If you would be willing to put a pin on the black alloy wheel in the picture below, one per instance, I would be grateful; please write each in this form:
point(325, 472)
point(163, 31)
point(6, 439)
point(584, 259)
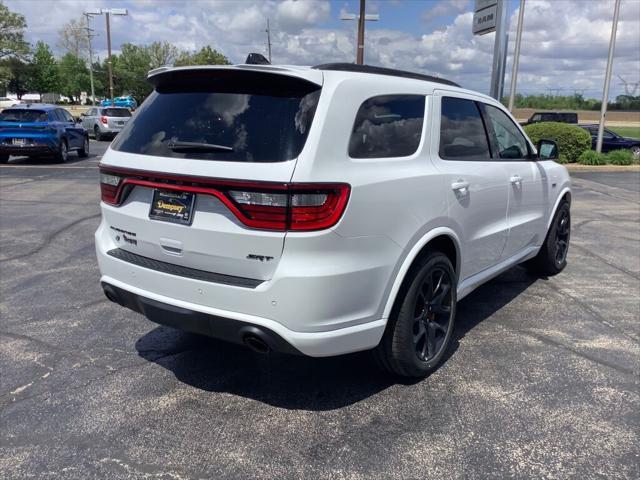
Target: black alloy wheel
point(432, 314)
point(563, 230)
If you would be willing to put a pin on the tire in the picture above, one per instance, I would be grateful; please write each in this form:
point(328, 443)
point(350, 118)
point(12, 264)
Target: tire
point(419, 330)
point(84, 151)
point(552, 257)
point(97, 133)
point(62, 156)
point(4, 158)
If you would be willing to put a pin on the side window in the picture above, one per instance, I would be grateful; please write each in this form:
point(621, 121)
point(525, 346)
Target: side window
point(58, 116)
point(536, 117)
point(67, 116)
point(387, 126)
point(462, 132)
point(511, 142)
point(91, 112)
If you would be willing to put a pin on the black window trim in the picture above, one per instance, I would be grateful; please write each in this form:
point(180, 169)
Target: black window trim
point(422, 131)
point(490, 146)
point(493, 138)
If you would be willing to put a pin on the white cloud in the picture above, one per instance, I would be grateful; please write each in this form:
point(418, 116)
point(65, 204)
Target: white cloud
point(565, 42)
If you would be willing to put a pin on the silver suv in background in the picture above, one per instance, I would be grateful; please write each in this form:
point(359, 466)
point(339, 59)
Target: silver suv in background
point(104, 122)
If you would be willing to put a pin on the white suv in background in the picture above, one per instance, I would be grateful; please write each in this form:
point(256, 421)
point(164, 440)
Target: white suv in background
point(322, 210)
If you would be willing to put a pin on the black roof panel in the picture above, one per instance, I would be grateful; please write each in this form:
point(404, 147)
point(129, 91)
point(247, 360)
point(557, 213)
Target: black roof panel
point(352, 67)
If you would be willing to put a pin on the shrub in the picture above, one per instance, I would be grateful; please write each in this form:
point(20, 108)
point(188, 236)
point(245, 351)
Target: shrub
point(620, 157)
point(591, 157)
point(571, 140)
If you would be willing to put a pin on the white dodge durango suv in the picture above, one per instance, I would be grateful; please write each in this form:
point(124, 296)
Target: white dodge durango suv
point(323, 210)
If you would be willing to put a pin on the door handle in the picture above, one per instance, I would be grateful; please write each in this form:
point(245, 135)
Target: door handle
point(461, 187)
point(516, 179)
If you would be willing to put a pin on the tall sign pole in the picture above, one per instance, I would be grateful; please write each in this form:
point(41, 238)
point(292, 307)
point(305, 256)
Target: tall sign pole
point(516, 57)
point(607, 76)
point(491, 16)
point(499, 48)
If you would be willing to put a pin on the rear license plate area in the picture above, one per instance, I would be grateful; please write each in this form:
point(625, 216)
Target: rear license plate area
point(18, 142)
point(174, 207)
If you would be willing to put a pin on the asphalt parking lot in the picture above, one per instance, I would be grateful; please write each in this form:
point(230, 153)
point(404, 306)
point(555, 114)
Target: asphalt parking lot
point(542, 380)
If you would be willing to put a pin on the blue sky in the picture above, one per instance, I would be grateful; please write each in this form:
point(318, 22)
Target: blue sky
point(564, 45)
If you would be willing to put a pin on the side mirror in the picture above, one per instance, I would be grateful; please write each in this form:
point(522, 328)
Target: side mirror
point(78, 119)
point(547, 150)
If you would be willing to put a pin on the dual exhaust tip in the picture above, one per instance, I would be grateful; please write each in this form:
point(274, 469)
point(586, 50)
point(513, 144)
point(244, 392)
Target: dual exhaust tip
point(251, 336)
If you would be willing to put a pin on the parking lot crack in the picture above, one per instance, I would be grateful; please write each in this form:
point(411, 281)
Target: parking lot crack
point(48, 238)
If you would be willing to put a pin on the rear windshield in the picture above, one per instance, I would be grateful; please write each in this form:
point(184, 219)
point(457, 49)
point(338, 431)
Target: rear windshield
point(227, 116)
point(116, 112)
point(23, 116)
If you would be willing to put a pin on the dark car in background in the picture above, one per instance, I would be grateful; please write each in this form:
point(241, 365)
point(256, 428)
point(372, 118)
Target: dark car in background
point(612, 141)
point(103, 122)
point(40, 131)
point(562, 117)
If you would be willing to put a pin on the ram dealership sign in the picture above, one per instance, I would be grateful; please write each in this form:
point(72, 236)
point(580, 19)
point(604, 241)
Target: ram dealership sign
point(484, 16)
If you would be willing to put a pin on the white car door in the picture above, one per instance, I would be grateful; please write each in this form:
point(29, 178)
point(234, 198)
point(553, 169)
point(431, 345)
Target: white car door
point(528, 191)
point(478, 193)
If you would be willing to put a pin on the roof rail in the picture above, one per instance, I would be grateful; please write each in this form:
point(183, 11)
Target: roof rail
point(352, 67)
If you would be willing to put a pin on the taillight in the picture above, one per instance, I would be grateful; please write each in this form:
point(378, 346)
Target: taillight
point(104, 120)
point(109, 184)
point(298, 207)
point(260, 205)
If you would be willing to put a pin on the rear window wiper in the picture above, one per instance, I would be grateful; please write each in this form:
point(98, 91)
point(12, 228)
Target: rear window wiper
point(197, 147)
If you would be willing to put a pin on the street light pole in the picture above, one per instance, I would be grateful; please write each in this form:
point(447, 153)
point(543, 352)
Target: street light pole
point(107, 12)
point(109, 58)
point(607, 76)
point(89, 35)
point(516, 57)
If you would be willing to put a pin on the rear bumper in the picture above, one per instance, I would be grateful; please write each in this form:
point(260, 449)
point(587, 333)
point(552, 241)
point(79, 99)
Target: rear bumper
point(28, 150)
point(325, 298)
point(235, 327)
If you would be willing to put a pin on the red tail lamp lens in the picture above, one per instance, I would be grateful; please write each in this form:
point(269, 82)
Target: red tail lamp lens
point(259, 205)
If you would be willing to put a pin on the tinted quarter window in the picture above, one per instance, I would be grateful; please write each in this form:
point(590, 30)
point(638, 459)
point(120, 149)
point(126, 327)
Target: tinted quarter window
point(225, 116)
point(387, 126)
point(462, 133)
point(23, 116)
point(511, 143)
point(116, 112)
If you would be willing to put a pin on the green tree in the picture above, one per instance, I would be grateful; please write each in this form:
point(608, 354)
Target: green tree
point(12, 27)
point(44, 70)
point(130, 70)
point(205, 56)
point(18, 75)
point(74, 76)
point(162, 54)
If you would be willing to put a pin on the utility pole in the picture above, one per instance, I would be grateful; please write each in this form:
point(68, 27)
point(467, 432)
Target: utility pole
point(607, 76)
point(361, 19)
point(107, 12)
point(516, 57)
point(360, 52)
point(90, 36)
point(268, 30)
